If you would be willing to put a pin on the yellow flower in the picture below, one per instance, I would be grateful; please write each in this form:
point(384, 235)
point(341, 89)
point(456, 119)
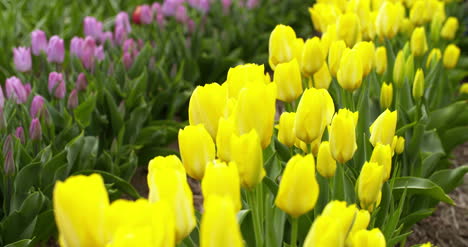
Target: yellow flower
point(298, 190)
point(301, 145)
point(323, 15)
point(219, 225)
point(450, 28)
point(243, 76)
point(366, 238)
point(361, 222)
point(196, 149)
point(327, 38)
point(250, 113)
point(345, 214)
point(434, 57)
point(418, 85)
point(369, 184)
point(281, 45)
point(400, 145)
point(428, 244)
point(348, 28)
point(418, 42)
point(383, 128)
point(399, 69)
point(325, 232)
point(386, 95)
point(80, 203)
point(406, 27)
point(334, 56)
point(451, 55)
point(313, 114)
point(417, 12)
point(222, 180)
point(167, 181)
point(342, 135)
point(286, 133)
point(246, 152)
point(226, 129)
point(326, 165)
point(380, 60)
point(351, 70)
point(387, 21)
point(322, 78)
point(207, 105)
point(288, 81)
point(464, 88)
point(382, 155)
point(366, 51)
point(312, 56)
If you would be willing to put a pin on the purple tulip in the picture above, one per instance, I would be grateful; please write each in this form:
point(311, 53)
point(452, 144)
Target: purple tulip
point(15, 90)
point(99, 53)
point(252, 3)
point(191, 26)
point(127, 60)
point(38, 42)
point(37, 105)
point(55, 50)
point(156, 8)
point(169, 7)
point(35, 130)
point(106, 36)
point(120, 34)
point(146, 15)
point(27, 88)
point(19, 133)
point(76, 45)
point(7, 145)
point(81, 82)
point(226, 5)
point(92, 27)
point(122, 20)
point(55, 79)
point(87, 52)
point(202, 5)
point(22, 59)
point(2, 98)
point(73, 100)
point(181, 14)
point(9, 167)
point(129, 46)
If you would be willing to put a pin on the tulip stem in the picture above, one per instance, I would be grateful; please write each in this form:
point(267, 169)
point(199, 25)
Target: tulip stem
point(254, 207)
point(294, 224)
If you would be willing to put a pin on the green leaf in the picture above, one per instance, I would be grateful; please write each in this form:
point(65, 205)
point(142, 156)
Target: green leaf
point(115, 116)
point(84, 111)
point(415, 185)
point(449, 179)
point(26, 178)
point(454, 137)
point(21, 243)
point(141, 61)
point(116, 181)
point(282, 151)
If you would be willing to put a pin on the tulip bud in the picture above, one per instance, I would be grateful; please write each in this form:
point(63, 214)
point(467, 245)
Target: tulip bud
point(298, 190)
point(19, 133)
point(326, 165)
point(81, 82)
point(327, 38)
point(56, 85)
point(342, 135)
point(348, 28)
point(361, 222)
point(464, 88)
point(417, 13)
point(450, 28)
point(146, 15)
point(122, 20)
point(9, 164)
point(55, 50)
point(334, 56)
point(387, 20)
point(286, 133)
point(38, 42)
point(181, 14)
point(386, 95)
point(226, 129)
point(418, 42)
point(35, 130)
point(15, 90)
point(383, 128)
point(428, 244)
point(351, 71)
point(76, 45)
point(409, 67)
point(196, 149)
point(380, 60)
point(2, 98)
point(322, 78)
point(398, 69)
point(366, 238)
point(246, 152)
point(127, 60)
point(366, 50)
point(2, 119)
point(222, 180)
point(106, 36)
point(219, 225)
point(382, 155)
point(210, 96)
point(87, 53)
point(451, 55)
point(243, 76)
point(281, 45)
point(288, 81)
point(406, 27)
point(436, 25)
point(99, 53)
point(92, 27)
point(323, 15)
point(78, 194)
point(22, 59)
point(418, 85)
point(400, 145)
point(167, 182)
point(314, 113)
point(312, 57)
point(370, 184)
point(73, 99)
point(7, 145)
point(37, 105)
point(433, 58)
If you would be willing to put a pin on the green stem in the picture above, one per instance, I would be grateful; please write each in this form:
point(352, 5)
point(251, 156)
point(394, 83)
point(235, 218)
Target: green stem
point(251, 198)
point(294, 229)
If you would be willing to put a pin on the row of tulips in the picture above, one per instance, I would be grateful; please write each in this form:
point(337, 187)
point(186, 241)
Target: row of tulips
point(381, 150)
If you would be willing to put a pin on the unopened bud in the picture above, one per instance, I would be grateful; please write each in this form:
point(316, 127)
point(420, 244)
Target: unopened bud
point(35, 130)
point(73, 99)
point(20, 135)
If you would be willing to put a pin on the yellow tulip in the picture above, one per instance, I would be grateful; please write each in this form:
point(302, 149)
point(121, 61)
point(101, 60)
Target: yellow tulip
point(326, 165)
point(312, 56)
point(382, 155)
point(207, 105)
point(298, 46)
point(386, 95)
point(464, 88)
point(226, 129)
point(428, 244)
point(383, 128)
point(451, 55)
point(298, 190)
point(286, 133)
point(301, 145)
point(371, 31)
point(314, 113)
point(417, 12)
point(322, 78)
point(361, 222)
point(246, 152)
point(434, 57)
point(325, 232)
point(418, 85)
point(345, 214)
point(288, 81)
point(418, 42)
point(362, 10)
point(196, 149)
point(450, 28)
point(281, 45)
point(219, 225)
point(167, 181)
point(399, 69)
point(80, 203)
point(387, 20)
point(406, 27)
point(324, 15)
point(351, 70)
point(250, 113)
point(409, 66)
point(436, 26)
point(334, 56)
point(342, 135)
point(400, 145)
point(327, 38)
point(369, 184)
point(366, 50)
point(380, 60)
point(222, 180)
point(243, 76)
point(348, 28)
point(366, 238)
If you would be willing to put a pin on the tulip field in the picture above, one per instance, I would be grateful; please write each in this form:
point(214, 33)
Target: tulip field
point(257, 123)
